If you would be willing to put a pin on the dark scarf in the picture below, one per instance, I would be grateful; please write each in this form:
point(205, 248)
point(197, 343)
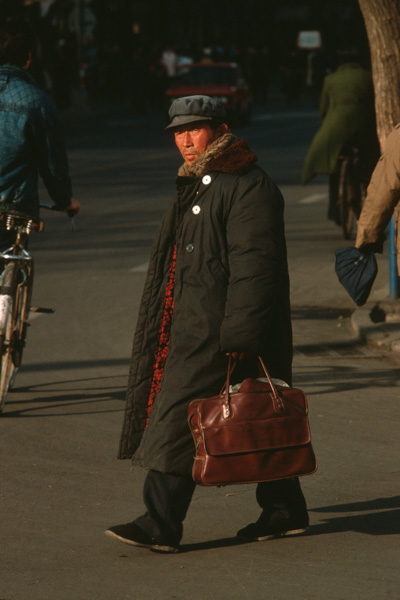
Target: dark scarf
point(227, 153)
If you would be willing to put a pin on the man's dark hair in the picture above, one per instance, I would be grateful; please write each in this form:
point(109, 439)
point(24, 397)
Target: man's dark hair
point(17, 40)
point(347, 55)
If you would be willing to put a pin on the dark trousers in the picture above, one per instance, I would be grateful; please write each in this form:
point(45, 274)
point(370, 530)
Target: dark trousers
point(167, 498)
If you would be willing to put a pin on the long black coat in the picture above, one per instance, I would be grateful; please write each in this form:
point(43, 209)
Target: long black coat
point(231, 294)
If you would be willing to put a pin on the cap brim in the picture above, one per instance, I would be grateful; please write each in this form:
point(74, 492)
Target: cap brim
point(185, 119)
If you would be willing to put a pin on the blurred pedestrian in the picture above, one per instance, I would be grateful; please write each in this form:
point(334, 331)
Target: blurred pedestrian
point(250, 70)
point(64, 72)
point(169, 60)
point(256, 69)
point(184, 57)
point(293, 70)
point(157, 79)
point(140, 83)
point(207, 55)
point(348, 119)
point(263, 75)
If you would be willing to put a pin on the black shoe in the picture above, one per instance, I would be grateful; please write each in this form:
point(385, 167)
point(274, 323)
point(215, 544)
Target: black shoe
point(274, 525)
point(133, 535)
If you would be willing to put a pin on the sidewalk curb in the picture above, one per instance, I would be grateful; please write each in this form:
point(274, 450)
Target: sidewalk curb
point(384, 335)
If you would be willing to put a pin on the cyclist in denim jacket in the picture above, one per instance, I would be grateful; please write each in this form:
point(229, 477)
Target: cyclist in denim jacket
point(31, 142)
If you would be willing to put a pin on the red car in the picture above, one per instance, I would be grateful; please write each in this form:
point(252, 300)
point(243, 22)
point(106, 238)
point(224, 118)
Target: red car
point(219, 80)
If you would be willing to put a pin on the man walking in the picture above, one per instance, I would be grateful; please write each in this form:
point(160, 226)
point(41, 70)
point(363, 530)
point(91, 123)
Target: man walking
point(217, 284)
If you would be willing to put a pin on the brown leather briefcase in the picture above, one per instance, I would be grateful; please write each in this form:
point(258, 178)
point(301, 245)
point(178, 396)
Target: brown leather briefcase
point(260, 433)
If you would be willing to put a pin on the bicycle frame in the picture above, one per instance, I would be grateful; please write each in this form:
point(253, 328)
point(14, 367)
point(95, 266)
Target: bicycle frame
point(17, 253)
point(15, 296)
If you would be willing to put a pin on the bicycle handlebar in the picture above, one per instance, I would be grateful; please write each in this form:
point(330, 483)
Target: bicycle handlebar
point(71, 213)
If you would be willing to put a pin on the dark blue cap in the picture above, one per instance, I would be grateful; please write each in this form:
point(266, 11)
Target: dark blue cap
point(195, 108)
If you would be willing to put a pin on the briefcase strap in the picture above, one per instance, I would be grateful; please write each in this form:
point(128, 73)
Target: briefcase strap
point(278, 402)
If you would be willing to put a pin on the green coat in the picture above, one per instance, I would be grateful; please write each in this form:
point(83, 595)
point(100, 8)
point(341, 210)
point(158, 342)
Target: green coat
point(231, 294)
point(348, 116)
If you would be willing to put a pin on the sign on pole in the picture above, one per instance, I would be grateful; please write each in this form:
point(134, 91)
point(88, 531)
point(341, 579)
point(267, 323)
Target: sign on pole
point(309, 40)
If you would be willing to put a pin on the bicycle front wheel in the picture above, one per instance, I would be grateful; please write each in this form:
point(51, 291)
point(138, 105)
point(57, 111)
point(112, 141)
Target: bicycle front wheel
point(14, 310)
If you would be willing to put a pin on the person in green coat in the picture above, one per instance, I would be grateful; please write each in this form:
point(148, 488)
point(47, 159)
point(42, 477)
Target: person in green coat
point(348, 119)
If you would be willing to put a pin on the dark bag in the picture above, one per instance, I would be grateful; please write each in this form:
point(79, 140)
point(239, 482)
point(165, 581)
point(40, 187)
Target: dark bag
point(260, 433)
point(356, 271)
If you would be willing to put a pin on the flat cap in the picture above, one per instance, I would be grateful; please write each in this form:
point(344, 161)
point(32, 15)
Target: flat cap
point(195, 108)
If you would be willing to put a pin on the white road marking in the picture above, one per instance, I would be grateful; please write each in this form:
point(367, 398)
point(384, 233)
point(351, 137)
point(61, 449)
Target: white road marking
point(140, 268)
point(314, 199)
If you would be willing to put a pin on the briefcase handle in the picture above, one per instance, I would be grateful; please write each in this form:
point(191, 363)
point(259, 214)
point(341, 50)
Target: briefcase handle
point(278, 403)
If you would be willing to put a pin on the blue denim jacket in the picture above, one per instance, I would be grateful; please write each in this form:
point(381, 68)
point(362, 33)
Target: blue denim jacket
point(31, 144)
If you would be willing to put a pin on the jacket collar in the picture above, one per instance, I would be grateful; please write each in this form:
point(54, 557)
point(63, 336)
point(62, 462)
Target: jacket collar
point(228, 154)
point(8, 71)
point(235, 159)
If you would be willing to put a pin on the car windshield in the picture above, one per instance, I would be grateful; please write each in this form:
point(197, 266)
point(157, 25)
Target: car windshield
point(206, 75)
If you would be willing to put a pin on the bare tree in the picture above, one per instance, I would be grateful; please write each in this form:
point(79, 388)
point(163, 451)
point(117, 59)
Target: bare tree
point(382, 22)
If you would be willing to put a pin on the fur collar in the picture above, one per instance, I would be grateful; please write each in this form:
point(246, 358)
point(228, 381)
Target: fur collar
point(228, 153)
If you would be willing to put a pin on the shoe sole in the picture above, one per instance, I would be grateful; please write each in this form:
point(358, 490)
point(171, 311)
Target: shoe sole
point(153, 547)
point(273, 536)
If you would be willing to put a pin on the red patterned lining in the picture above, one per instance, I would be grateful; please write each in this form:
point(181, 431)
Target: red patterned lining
point(163, 336)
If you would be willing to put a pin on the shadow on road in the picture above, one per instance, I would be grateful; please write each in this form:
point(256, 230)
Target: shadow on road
point(340, 378)
point(212, 544)
point(381, 517)
point(376, 504)
point(382, 522)
point(76, 364)
point(88, 391)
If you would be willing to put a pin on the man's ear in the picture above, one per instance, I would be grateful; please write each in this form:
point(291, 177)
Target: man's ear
point(222, 129)
point(28, 62)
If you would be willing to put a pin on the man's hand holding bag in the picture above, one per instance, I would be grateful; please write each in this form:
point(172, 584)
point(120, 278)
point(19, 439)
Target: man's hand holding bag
point(259, 433)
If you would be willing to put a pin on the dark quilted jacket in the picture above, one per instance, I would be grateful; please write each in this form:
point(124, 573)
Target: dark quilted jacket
point(231, 294)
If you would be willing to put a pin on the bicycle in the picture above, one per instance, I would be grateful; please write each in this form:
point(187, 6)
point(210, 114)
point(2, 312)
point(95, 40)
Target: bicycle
point(15, 295)
point(352, 190)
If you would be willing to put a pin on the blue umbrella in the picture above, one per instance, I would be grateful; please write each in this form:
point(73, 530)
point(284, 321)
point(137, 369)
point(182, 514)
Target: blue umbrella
point(356, 271)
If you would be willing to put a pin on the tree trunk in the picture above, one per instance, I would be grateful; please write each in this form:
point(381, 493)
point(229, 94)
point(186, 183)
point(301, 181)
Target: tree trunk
point(382, 22)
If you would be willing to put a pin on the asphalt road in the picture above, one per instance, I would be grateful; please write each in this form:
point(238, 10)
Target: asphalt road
point(61, 485)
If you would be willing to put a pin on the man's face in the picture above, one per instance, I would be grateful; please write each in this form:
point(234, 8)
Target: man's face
point(193, 139)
